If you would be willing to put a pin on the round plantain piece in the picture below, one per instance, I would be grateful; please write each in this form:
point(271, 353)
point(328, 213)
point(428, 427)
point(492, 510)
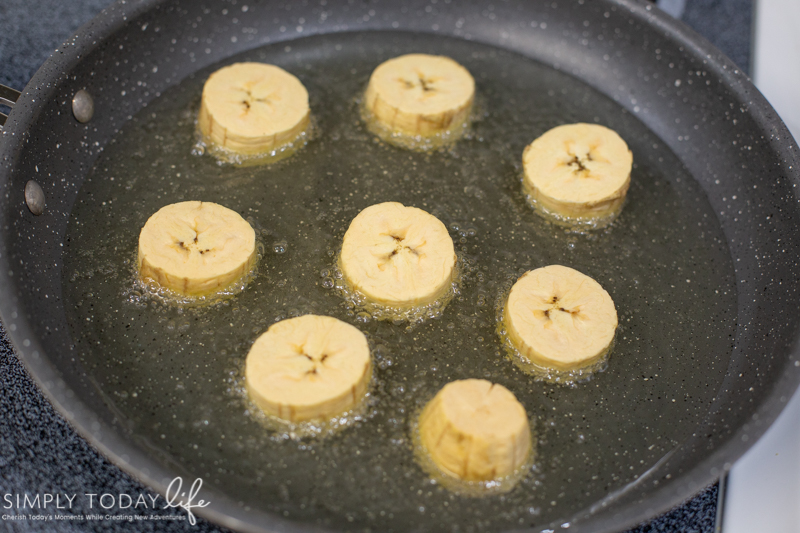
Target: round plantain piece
point(475, 430)
point(196, 248)
point(252, 109)
point(309, 367)
point(420, 95)
point(398, 256)
point(560, 319)
point(578, 174)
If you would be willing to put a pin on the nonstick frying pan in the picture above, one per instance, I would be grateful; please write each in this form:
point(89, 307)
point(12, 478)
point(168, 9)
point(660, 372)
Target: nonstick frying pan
point(692, 98)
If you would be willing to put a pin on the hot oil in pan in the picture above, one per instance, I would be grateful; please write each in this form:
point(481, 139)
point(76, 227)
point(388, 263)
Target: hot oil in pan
point(172, 374)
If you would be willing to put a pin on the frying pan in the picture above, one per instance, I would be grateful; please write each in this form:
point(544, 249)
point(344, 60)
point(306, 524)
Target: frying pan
point(740, 154)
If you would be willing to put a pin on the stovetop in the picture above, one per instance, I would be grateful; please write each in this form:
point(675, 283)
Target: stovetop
point(40, 453)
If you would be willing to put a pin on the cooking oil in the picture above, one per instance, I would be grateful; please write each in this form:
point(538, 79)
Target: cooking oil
point(173, 372)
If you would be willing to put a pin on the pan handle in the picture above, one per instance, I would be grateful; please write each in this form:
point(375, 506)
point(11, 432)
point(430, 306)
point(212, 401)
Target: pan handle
point(8, 97)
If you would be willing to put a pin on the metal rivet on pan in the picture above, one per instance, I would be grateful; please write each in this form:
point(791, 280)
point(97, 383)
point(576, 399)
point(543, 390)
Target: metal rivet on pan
point(34, 197)
point(83, 106)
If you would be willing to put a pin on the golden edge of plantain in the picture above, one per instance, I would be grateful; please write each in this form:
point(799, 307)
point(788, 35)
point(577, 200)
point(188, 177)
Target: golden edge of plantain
point(596, 215)
point(277, 152)
point(542, 361)
point(179, 285)
point(405, 305)
point(431, 132)
point(543, 368)
point(340, 405)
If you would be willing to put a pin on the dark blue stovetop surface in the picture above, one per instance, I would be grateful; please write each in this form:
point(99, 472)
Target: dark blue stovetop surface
point(40, 453)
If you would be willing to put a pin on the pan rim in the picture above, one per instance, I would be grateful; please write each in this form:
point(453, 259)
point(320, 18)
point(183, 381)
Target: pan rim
point(115, 448)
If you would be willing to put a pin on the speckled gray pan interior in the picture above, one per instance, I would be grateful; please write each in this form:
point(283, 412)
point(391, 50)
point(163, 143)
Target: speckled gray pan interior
point(703, 262)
